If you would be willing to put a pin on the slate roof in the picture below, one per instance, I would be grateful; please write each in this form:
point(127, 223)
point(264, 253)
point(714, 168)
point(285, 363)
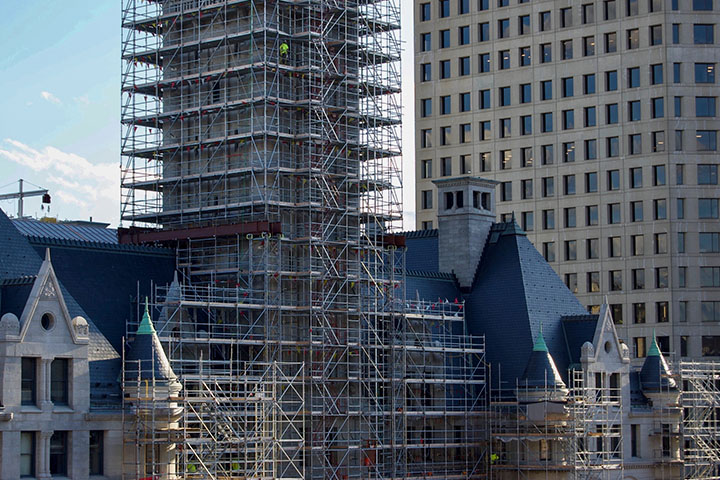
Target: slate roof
point(424, 247)
point(18, 259)
point(146, 359)
point(577, 329)
point(63, 231)
point(541, 372)
point(655, 372)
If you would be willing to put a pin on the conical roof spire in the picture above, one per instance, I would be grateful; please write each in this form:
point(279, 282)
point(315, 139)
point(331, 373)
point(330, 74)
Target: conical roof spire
point(146, 326)
point(540, 345)
point(541, 372)
point(655, 375)
point(146, 358)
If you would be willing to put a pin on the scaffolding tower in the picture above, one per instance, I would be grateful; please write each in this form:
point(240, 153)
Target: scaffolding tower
point(701, 419)
point(261, 139)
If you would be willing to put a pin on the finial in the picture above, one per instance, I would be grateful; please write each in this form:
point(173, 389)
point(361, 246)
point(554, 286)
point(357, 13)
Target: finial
point(540, 345)
point(146, 327)
point(654, 350)
point(47, 254)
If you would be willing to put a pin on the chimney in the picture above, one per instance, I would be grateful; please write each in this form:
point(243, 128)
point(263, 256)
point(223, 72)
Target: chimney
point(466, 211)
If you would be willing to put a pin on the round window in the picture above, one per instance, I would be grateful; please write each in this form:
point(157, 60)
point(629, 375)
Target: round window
point(47, 321)
point(608, 347)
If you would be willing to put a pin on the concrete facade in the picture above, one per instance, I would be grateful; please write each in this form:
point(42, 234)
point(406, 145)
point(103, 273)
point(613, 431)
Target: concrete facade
point(46, 418)
point(599, 121)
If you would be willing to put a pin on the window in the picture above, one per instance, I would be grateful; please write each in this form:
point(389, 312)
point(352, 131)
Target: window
point(710, 346)
point(445, 166)
point(609, 10)
point(570, 250)
point(675, 5)
point(633, 77)
point(614, 213)
point(615, 277)
point(27, 454)
point(636, 177)
point(634, 111)
point(571, 282)
point(615, 247)
point(464, 35)
point(707, 174)
point(709, 242)
point(548, 219)
point(505, 128)
point(588, 46)
point(658, 175)
point(549, 251)
point(425, 42)
point(569, 184)
point(702, 5)
point(703, 34)
point(660, 243)
point(504, 59)
point(524, 56)
point(591, 182)
point(589, 84)
point(632, 8)
point(710, 311)
point(592, 246)
point(639, 314)
point(611, 113)
point(566, 50)
point(503, 28)
point(636, 211)
point(504, 96)
point(483, 62)
point(28, 393)
point(483, 5)
point(705, 106)
point(444, 69)
point(445, 135)
point(677, 106)
point(58, 453)
point(426, 72)
point(611, 83)
point(525, 93)
point(546, 122)
point(590, 117)
point(661, 278)
point(656, 35)
point(706, 140)
point(548, 154)
point(445, 105)
point(591, 149)
point(427, 199)
point(464, 102)
point(505, 159)
point(704, 73)
point(545, 53)
point(506, 191)
point(545, 23)
point(565, 17)
point(710, 276)
point(633, 38)
point(426, 169)
point(425, 107)
point(568, 89)
point(638, 279)
point(426, 138)
point(546, 90)
point(613, 180)
point(591, 215)
point(548, 186)
point(484, 96)
point(676, 72)
point(59, 381)
point(425, 12)
point(658, 141)
point(528, 219)
point(655, 5)
point(682, 283)
point(444, 39)
point(568, 151)
point(465, 164)
point(635, 144)
point(675, 33)
point(485, 132)
point(639, 345)
point(588, 13)
point(485, 162)
point(611, 42)
point(683, 345)
point(526, 125)
point(681, 242)
point(463, 7)
point(593, 282)
point(444, 8)
point(570, 217)
point(483, 32)
point(568, 119)
point(656, 74)
point(526, 157)
point(464, 66)
point(523, 24)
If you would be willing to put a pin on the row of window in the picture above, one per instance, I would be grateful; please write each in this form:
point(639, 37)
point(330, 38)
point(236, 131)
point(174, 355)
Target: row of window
point(703, 34)
point(710, 348)
point(59, 381)
point(704, 140)
point(610, 10)
point(636, 246)
point(58, 455)
point(709, 310)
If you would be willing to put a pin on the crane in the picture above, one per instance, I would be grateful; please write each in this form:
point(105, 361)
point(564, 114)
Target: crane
point(20, 195)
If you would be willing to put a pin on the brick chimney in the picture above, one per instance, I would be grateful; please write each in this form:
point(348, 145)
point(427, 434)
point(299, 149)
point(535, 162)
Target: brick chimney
point(466, 211)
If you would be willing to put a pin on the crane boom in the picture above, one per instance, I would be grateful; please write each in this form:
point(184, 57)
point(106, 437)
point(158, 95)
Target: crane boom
point(22, 194)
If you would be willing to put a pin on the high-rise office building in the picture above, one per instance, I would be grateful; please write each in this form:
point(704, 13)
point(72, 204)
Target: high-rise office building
point(599, 121)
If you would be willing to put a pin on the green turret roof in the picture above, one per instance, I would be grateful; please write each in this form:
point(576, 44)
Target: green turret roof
point(654, 350)
point(146, 327)
point(540, 345)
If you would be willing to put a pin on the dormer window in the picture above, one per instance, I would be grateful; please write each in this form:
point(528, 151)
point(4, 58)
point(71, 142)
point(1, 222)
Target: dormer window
point(28, 389)
point(59, 381)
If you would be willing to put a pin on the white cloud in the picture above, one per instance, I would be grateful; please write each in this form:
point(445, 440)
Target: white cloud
point(82, 188)
point(84, 99)
point(50, 97)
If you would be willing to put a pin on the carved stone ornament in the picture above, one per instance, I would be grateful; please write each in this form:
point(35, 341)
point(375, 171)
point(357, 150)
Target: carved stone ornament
point(48, 291)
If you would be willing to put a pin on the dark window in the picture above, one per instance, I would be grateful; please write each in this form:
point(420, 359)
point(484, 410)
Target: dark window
point(524, 56)
point(97, 452)
point(703, 34)
point(426, 72)
point(705, 106)
point(613, 179)
point(523, 24)
point(546, 122)
point(503, 28)
point(706, 140)
point(591, 215)
point(634, 111)
point(590, 117)
point(444, 38)
point(425, 14)
point(568, 89)
point(525, 93)
point(633, 38)
point(566, 50)
point(483, 32)
point(504, 94)
point(546, 90)
point(656, 74)
point(465, 102)
point(425, 42)
point(545, 22)
point(58, 453)
point(636, 211)
point(704, 73)
point(569, 184)
point(548, 219)
point(710, 346)
point(444, 8)
point(611, 113)
point(656, 35)
point(675, 33)
point(633, 77)
point(568, 119)
point(484, 62)
point(444, 69)
point(657, 109)
point(632, 8)
point(614, 213)
point(588, 13)
point(702, 5)
point(565, 17)
point(611, 83)
point(464, 35)
point(425, 107)
point(484, 96)
point(463, 7)
point(545, 53)
point(29, 381)
point(588, 46)
point(504, 59)
point(59, 377)
point(548, 186)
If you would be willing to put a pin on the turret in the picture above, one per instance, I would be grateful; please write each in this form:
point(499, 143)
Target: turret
point(541, 379)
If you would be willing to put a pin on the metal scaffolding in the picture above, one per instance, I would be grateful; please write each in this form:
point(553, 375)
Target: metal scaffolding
point(701, 419)
point(262, 141)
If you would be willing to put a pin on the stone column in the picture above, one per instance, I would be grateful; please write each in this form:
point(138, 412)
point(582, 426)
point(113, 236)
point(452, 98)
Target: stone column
point(43, 456)
point(44, 393)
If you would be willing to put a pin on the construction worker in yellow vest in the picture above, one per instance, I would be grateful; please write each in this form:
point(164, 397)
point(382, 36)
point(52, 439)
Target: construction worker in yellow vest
point(284, 49)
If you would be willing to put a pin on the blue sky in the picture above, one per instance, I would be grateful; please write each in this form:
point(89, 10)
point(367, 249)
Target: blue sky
point(60, 125)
